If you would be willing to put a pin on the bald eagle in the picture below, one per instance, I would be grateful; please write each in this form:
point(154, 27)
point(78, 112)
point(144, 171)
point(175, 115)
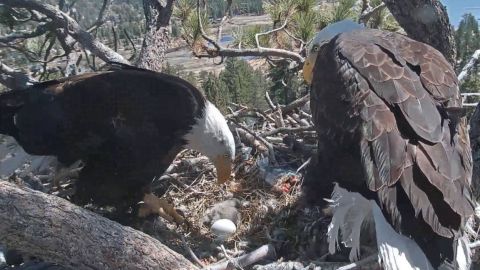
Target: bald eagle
point(392, 146)
point(125, 124)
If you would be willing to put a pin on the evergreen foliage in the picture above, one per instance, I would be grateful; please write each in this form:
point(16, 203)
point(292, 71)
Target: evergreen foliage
point(467, 38)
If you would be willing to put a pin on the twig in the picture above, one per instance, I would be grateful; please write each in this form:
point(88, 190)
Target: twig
point(286, 130)
point(14, 79)
point(473, 245)
point(365, 261)
point(62, 20)
point(269, 101)
point(190, 252)
point(101, 15)
point(369, 12)
point(40, 30)
point(220, 51)
point(261, 253)
point(271, 153)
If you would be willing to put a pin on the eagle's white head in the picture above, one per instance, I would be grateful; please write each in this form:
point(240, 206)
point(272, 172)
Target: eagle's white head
point(322, 37)
point(212, 137)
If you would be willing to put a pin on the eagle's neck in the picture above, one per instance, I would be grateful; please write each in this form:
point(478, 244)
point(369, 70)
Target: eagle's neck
point(210, 135)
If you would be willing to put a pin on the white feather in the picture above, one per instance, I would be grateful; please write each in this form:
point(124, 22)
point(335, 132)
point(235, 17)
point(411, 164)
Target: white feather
point(464, 254)
point(396, 252)
point(351, 210)
point(211, 135)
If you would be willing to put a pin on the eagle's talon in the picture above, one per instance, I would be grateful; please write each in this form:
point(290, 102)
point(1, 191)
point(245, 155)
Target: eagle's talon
point(154, 205)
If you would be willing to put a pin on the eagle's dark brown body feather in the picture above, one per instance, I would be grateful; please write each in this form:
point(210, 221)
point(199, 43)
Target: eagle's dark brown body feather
point(386, 109)
point(126, 125)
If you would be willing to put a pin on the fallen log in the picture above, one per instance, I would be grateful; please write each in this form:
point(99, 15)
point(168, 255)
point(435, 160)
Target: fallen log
point(57, 231)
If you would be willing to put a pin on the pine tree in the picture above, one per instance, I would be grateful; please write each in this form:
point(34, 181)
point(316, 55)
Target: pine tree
point(215, 91)
point(467, 38)
point(244, 84)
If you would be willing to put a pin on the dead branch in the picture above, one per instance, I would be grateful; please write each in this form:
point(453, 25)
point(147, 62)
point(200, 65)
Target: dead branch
point(41, 29)
point(63, 20)
point(366, 261)
point(132, 44)
point(269, 101)
point(271, 153)
point(287, 130)
point(262, 253)
point(76, 238)
point(467, 69)
point(368, 11)
point(295, 104)
point(101, 15)
point(14, 79)
point(220, 51)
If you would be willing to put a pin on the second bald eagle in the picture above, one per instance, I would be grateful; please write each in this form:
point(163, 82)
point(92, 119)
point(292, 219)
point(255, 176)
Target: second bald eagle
point(126, 125)
point(391, 135)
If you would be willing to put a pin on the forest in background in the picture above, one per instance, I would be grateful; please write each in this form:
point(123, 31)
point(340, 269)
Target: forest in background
point(123, 26)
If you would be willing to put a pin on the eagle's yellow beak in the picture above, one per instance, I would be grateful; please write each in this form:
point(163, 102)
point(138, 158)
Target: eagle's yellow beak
point(224, 168)
point(308, 68)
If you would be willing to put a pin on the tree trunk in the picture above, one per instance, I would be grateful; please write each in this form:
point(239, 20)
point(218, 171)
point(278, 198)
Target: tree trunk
point(156, 41)
point(57, 231)
point(426, 21)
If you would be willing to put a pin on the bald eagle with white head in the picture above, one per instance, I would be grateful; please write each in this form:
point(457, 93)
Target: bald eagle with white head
point(392, 146)
point(126, 125)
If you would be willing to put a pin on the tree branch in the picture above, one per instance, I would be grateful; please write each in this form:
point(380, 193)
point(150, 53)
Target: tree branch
point(57, 231)
point(14, 79)
point(40, 30)
point(62, 20)
point(368, 12)
point(466, 70)
point(101, 15)
point(220, 51)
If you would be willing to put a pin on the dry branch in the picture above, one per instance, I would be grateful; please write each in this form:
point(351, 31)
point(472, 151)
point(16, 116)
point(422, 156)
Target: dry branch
point(57, 231)
point(287, 130)
point(368, 12)
point(220, 51)
point(262, 253)
point(63, 20)
point(14, 79)
point(468, 67)
point(40, 30)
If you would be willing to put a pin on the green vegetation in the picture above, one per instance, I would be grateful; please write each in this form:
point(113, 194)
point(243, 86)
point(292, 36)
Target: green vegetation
point(467, 38)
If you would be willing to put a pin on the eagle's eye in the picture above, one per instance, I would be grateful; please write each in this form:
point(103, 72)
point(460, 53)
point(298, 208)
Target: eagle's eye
point(315, 48)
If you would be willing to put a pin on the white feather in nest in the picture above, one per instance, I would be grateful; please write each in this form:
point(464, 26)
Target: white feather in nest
point(396, 252)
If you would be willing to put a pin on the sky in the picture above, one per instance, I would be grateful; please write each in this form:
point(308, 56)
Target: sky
point(456, 8)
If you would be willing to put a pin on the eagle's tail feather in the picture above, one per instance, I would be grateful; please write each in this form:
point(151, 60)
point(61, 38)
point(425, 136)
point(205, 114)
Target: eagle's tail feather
point(396, 252)
point(351, 210)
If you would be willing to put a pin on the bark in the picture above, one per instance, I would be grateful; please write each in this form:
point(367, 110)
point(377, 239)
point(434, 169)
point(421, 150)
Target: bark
point(57, 231)
point(156, 41)
point(426, 21)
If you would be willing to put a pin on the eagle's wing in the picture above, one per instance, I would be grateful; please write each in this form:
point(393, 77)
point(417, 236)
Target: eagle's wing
point(396, 105)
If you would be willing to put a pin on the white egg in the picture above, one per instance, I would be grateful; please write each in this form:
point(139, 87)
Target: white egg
point(223, 228)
